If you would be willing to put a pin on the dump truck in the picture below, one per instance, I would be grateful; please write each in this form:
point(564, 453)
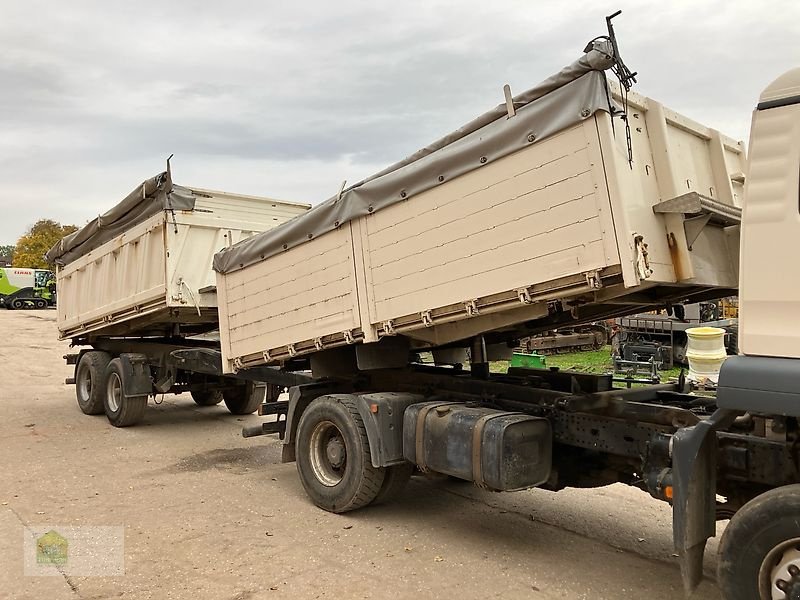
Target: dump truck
point(575, 201)
point(137, 288)
point(22, 288)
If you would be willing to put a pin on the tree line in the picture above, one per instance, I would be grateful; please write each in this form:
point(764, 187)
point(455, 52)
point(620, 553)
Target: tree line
point(30, 249)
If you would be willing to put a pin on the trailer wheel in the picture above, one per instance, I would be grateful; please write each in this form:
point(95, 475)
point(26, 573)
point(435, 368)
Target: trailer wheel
point(207, 397)
point(121, 410)
point(241, 400)
point(333, 458)
point(395, 480)
point(90, 381)
point(759, 555)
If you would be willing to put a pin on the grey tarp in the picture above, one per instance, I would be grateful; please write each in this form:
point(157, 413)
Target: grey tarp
point(150, 197)
point(573, 94)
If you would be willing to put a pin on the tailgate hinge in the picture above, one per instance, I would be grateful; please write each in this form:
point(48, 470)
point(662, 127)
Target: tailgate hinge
point(642, 260)
point(593, 280)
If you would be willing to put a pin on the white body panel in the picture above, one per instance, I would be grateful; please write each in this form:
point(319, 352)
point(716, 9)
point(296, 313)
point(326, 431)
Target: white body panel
point(492, 247)
point(18, 277)
point(769, 298)
point(297, 295)
point(159, 272)
point(531, 217)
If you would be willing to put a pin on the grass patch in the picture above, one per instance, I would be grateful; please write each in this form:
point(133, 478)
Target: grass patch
point(594, 361)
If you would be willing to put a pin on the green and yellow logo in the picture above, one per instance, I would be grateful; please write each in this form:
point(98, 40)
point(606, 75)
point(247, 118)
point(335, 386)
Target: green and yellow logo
point(51, 549)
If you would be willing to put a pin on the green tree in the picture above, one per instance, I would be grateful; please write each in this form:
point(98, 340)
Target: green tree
point(32, 246)
point(7, 251)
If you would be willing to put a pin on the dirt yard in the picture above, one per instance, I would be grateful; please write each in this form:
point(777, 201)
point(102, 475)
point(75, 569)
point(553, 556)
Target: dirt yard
point(208, 514)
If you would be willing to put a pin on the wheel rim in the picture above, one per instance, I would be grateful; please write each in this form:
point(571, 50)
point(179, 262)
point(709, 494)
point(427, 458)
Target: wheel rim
point(114, 392)
point(84, 383)
point(328, 453)
point(779, 575)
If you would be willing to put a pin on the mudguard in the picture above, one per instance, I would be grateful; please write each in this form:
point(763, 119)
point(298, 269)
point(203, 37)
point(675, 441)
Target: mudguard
point(694, 470)
point(382, 414)
point(136, 377)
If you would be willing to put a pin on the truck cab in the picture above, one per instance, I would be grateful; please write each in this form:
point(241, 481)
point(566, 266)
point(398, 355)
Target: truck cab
point(765, 376)
point(769, 293)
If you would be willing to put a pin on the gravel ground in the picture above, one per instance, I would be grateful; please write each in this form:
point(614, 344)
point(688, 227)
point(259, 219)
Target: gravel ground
point(207, 514)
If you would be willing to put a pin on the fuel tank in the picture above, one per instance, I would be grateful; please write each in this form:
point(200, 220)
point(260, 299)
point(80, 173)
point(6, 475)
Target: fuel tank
point(502, 451)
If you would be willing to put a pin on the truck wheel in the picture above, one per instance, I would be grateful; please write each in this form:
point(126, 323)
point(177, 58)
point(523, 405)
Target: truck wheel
point(241, 400)
point(121, 410)
point(40, 303)
point(207, 397)
point(759, 555)
point(395, 480)
point(733, 340)
point(89, 381)
point(333, 457)
point(17, 304)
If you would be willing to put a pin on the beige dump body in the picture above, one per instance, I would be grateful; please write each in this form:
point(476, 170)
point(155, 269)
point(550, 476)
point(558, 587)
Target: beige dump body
point(563, 226)
point(155, 278)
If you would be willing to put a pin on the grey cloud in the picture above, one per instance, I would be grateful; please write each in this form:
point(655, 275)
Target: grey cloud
point(93, 93)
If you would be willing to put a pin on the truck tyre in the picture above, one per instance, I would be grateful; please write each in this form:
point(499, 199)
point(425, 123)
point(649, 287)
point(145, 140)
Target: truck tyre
point(40, 303)
point(241, 400)
point(90, 381)
point(733, 340)
point(17, 304)
point(333, 458)
point(394, 481)
point(759, 555)
point(121, 410)
point(207, 397)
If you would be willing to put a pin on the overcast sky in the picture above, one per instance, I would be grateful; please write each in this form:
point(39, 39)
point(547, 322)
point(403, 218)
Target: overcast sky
point(287, 99)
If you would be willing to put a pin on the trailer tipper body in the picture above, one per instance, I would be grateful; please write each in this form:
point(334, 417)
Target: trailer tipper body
point(144, 267)
point(541, 214)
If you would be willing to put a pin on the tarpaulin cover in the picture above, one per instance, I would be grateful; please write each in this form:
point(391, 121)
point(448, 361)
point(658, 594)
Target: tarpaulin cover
point(150, 197)
point(573, 94)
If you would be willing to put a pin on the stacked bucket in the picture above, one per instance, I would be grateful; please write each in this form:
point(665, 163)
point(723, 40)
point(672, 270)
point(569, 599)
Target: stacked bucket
point(706, 353)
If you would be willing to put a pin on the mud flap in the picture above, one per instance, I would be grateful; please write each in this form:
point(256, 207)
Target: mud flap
point(694, 471)
point(136, 379)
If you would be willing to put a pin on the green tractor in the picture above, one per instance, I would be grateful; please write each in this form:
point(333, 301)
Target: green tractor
point(27, 288)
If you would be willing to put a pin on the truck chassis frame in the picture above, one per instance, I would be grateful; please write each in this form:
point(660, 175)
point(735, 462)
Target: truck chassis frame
point(679, 448)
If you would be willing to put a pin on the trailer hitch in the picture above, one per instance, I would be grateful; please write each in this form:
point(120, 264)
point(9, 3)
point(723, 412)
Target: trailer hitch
point(694, 472)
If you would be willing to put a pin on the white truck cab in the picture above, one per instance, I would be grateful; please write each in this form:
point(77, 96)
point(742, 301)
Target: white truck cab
point(766, 377)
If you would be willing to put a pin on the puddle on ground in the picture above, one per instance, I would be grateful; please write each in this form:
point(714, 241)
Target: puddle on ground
point(236, 460)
